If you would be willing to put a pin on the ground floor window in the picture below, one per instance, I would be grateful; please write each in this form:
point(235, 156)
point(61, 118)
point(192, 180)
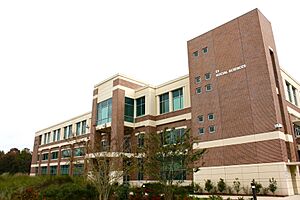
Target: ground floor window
point(64, 169)
point(44, 171)
point(53, 170)
point(78, 169)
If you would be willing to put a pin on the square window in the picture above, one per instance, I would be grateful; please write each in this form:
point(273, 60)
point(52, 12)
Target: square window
point(208, 87)
point(204, 50)
point(208, 76)
point(201, 131)
point(198, 90)
point(212, 129)
point(200, 118)
point(195, 53)
point(211, 116)
point(197, 79)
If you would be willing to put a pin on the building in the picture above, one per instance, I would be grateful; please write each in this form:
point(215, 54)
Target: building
point(237, 101)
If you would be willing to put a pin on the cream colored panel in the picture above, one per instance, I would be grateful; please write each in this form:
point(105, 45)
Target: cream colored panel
point(293, 112)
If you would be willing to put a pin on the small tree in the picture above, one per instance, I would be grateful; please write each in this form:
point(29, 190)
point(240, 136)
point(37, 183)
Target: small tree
point(237, 185)
point(272, 185)
point(169, 157)
point(208, 185)
point(221, 185)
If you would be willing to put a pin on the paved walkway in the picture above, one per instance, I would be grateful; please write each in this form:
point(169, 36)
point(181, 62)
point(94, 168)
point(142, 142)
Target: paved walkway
point(294, 197)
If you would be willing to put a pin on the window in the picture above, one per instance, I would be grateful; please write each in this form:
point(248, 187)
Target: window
point(297, 130)
point(295, 96)
point(140, 175)
point(208, 76)
point(44, 170)
point(200, 119)
point(45, 156)
point(53, 170)
point(104, 111)
point(140, 106)
point(164, 103)
point(212, 129)
point(127, 144)
point(83, 131)
point(129, 110)
point(104, 145)
point(288, 87)
point(78, 169)
point(78, 128)
point(64, 169)
point(66, 153)
point(79, 152)
point(204, 50)
point(173, 168)
point(201, 131)
point(140, 140)
point(173, 137)
point(195, 53)
point(56, 135)
point(198, 90)
point(208, 87)
point(48, 138)
point(54, 155)
point(67, 131)
point(177, 99)
point(211, 116)
point(197, 79)
point(45, 138)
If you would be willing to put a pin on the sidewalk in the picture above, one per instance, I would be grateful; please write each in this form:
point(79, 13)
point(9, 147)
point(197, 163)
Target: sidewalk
point(294, 197)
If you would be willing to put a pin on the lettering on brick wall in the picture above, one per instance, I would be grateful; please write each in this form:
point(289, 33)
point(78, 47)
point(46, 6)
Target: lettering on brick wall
point(218, 73)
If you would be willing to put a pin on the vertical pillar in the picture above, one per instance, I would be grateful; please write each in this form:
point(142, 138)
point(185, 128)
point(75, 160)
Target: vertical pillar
point(170, 102)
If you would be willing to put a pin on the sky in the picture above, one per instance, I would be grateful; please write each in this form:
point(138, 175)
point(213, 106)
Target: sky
point(52, 53)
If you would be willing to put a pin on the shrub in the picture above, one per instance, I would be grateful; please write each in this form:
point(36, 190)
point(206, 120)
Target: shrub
point(208, 185)
point(265, 190)
point(237, 185)
point(215, 197)
point(272, 185)
point(229, 190)
point(258, 186)
point(246, 189)
point(240, 198)
point(221, 185)
point(198, 188)
point(122, 191)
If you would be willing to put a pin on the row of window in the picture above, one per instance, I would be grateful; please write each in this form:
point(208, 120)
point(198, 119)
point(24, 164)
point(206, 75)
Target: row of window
point(177, 100)
point(207, 76)
point(104, 108)
point(80, 130)
point(208, 88)
point(211, 129)
point(64, 154)
point(210, 117)
point(204, 51)
point(292, 93)
point(64, 170)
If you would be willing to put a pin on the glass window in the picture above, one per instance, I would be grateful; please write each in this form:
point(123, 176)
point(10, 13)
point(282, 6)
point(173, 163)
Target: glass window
point(48, 137)
point(64, 169)
point(104, 111)
point(195, 53)
point(78, 169)
point(45, 138)
point(79, 152)
point(54, 136)
point(45, 156)
point(204, 50)
point(211, 116)
point(140, 139)
point(104, 145)
point(295, 96)
point(66, 153)
point(297, 130)
point(200, 118)
point(173, 137)
point(54, 155)
point(44, 170)
point(212, 129)
point(53, 170)
point(197, 79)
point(288, 90)
point(201, 131)
point(83, 131)
point(164, 103)
point(140, 106)
point(67, 131)
point(129, 110)
point(177, 99)
point(78, 128)
point(198, 90)
point(127, 144)
point(57, 134)
point(208, 76)
point(208, 87)
point(174, 169)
